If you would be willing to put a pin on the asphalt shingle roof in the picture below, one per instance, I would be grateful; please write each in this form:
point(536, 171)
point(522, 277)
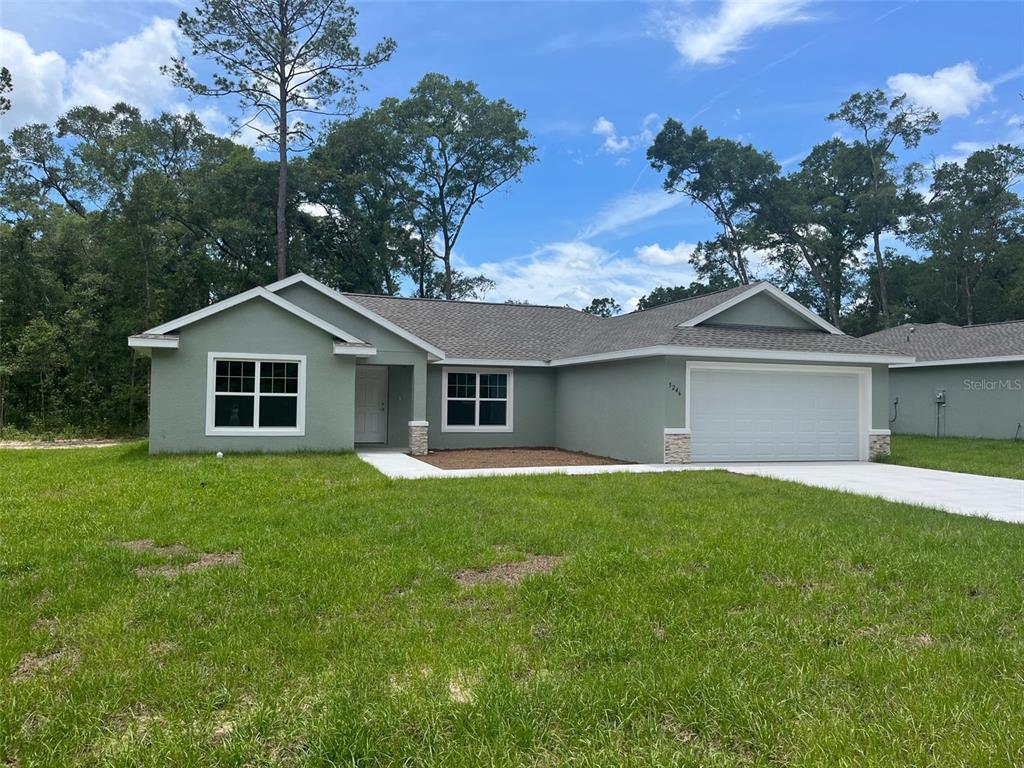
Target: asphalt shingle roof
point(941, 341)
point(478, 330)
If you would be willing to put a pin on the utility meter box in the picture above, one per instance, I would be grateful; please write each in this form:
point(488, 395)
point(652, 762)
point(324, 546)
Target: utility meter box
point(940, 396)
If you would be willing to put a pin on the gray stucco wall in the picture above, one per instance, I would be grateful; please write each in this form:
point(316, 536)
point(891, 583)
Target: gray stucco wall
point(533, 420)
point(616, 409)
point(981, 400)
point(761, 310)
point(178, 386)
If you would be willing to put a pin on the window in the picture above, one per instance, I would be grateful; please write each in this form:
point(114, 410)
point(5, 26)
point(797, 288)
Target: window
point(255, 394)
point(476, 400)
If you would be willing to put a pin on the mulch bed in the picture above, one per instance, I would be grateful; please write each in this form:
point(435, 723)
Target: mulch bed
point(492, 458)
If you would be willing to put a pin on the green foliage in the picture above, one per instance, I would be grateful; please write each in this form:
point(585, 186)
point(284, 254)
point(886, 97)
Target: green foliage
point(665, 294)
point(731, 180)
point(605, 307)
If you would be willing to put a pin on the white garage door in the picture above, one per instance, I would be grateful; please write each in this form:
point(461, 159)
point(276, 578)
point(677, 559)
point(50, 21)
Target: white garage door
point(760, 414)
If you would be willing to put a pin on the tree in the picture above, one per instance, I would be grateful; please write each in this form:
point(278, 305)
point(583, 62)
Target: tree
point(881, 123)
point(460, 148)
point(666, 295)
point(6, 86)
point(282, 59)
point(810, 223)
point(605, 307)
point(971, 215)
point(729, 179)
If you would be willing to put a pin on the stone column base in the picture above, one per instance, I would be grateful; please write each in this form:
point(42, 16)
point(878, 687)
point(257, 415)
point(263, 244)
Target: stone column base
point(879, 444)
point(677, 445)
point(418, 438)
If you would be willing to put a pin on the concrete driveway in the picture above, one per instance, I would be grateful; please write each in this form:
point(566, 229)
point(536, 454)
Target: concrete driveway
point(998, 498)
point(994, 497)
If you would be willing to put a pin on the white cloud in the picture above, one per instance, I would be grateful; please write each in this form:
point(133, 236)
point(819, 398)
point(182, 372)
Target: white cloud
point(615, 143)
point(710, 39)
point(629, 209)
point(38, 81)
point(575, 272)
point(128, 70)
point(655, 253)
point(952, 92)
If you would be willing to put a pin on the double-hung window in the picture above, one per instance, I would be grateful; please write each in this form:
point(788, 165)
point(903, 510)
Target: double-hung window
point(256, 395)
point(477, 400)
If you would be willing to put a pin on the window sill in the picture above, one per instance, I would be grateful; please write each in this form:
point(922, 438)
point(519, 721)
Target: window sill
point(252, 432)
point(446, 428)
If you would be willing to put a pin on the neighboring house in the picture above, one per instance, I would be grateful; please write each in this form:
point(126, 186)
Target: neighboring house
point(745, 374)
point(966, 381)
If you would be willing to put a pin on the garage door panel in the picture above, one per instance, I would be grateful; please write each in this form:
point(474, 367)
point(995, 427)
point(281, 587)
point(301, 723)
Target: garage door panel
point(765, 415)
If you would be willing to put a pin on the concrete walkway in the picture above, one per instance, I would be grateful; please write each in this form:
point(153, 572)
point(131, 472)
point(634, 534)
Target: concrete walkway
point(997, 498)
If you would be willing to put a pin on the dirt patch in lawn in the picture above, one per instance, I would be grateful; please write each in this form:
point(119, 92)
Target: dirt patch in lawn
point(200, 561)
point(32, 664)
point(509, 573)
point(495, 458)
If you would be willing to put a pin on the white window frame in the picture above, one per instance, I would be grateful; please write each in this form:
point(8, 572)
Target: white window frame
point(211, 386)
point(445, 427)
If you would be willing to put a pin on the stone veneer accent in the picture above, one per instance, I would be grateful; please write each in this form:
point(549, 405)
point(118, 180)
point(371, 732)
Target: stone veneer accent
point(677, 446)
point(879, 444)
point(418, 438)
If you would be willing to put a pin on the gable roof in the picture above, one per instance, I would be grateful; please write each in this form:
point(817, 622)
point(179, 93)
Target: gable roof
point(770, 290)
point(164, 335)
point(944, 344)
point(346, 300)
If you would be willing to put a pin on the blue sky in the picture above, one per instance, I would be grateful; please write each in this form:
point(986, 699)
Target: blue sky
point(597, 80)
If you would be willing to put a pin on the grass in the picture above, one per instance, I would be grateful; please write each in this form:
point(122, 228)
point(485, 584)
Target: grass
point(977, 456)
point(697, 619)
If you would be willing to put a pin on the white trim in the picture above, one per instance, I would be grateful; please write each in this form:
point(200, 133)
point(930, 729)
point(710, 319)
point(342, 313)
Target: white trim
point(300, 408)
point(863, 399)
point(477, 428)
point(677, 430)
point(241, 298)
point(161, 341)
point(419, 423)
point(359, 350)
point(879, 432)
point(485, 362)
point(963, 361)
point(357, 308)
point(670, 350)
point(776, 294)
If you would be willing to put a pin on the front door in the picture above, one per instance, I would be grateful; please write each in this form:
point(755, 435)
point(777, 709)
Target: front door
point(371, 404)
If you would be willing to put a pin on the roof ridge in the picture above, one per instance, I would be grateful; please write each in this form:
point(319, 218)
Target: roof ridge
point(984, 325)
point(692, 298)
point(464, 301)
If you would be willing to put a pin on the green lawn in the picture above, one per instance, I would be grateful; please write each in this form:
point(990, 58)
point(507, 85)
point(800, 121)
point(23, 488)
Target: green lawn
point(697, 619)
point(1001, 458)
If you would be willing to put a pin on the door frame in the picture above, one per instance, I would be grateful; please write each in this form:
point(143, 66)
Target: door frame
point(387, 403)
point(863, 388)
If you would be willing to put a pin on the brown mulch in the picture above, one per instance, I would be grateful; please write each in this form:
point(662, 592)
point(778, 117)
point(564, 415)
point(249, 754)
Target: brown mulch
point(509, 573)
point(491, 458)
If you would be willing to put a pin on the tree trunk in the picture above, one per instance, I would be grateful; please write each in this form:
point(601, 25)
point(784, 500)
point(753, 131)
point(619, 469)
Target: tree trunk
point(282, 151)
point(883, 293)
point(131, 394)
point(447, 272)
point(968, 300)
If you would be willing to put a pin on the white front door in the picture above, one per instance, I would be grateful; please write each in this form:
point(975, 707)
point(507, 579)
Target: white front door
point(761, 413)
point(371, 404)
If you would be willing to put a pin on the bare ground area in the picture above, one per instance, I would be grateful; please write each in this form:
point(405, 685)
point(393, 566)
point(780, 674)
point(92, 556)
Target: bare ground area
point(490, 458)
point(200, 560)
point(23, 445)
point(509, 573)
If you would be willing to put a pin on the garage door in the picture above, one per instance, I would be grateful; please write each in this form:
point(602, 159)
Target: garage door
point(756, 414)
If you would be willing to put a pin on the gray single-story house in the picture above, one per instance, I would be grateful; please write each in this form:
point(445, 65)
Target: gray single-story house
point(745, 374)
point(966, 382)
